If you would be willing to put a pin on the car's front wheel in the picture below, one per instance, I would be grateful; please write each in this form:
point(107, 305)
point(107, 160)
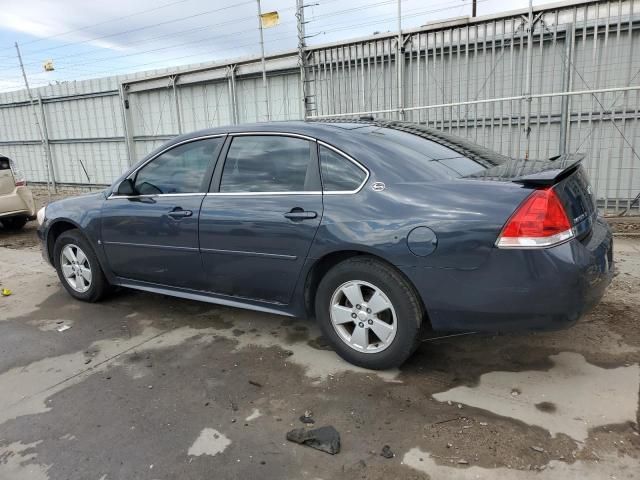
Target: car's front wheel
point(78, 267)
point(369, 312)
point(14, 223)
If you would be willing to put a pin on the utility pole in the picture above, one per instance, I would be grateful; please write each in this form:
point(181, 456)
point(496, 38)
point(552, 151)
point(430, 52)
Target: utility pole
point(38, 125)
point(302, 54)
point(264, 67)
point(400, 62)
point(527, 120)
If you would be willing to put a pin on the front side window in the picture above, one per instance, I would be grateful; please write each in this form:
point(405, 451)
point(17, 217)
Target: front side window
point(179, 170)
point(268, 163)
point(338, 173)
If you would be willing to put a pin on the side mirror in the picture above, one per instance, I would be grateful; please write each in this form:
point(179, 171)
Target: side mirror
point(126, 188)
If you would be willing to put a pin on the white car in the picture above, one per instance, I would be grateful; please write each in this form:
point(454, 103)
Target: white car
point(16, 201)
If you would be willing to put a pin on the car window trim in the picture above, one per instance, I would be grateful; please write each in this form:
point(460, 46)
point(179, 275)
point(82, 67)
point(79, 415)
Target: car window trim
point(350, 159)
point(208, 172)
point(217, 176)
point(222, 154)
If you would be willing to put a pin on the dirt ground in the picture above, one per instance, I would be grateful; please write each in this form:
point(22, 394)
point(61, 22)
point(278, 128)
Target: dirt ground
point(151, 387)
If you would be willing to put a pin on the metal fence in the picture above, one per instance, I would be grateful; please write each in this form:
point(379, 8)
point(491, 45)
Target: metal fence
point(556, 79)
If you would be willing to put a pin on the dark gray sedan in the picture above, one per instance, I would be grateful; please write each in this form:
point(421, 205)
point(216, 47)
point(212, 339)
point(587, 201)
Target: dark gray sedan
point(373, 228)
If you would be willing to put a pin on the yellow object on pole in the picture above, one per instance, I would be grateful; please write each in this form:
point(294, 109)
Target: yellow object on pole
point(48, 66)
point(269, 19)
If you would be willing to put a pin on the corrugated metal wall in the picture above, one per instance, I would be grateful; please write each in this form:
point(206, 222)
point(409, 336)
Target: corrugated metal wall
point(467, 77)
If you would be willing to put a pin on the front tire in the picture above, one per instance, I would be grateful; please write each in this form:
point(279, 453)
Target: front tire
point(369, 312)
point(14, 223)
point(78, 267)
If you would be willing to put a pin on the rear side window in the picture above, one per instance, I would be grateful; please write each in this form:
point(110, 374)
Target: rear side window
point(338, 173)
point(179, 170)
point(4, 163)
point(268, 163)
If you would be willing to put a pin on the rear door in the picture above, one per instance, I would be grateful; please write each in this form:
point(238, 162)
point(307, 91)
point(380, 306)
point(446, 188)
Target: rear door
point(7, 182)
point(258, 222)
point(152, 236)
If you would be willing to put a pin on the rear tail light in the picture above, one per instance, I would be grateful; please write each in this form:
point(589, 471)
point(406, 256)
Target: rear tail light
point(21, 183)
point(539, 222)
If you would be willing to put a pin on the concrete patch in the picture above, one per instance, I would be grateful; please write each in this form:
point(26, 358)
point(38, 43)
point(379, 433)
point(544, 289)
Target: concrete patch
point(620, 468)
point(209, 442)
point(584, 396)
point(18, 460)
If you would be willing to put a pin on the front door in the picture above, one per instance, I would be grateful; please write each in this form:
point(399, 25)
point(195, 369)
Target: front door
point(152, 236)
point(257, 225)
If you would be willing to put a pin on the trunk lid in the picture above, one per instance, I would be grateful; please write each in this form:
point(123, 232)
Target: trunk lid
point(7, 181)
point(564, 173)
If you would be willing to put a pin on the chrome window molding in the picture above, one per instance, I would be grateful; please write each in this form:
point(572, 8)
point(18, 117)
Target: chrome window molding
point(154, 195)
point(352, 160)
point(251, 194)
point(281, 134)
point(133, 172)
point(245, 194)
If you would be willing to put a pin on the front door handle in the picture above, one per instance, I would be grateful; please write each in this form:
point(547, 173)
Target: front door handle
point(178, 213)
point(300, 214)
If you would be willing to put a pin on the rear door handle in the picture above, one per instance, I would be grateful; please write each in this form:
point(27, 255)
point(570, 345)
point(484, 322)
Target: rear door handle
point(299, 214)
point(178, 213)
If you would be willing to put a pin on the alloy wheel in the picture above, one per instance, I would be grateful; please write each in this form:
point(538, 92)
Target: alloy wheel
point(363, 316)
point(75, 268)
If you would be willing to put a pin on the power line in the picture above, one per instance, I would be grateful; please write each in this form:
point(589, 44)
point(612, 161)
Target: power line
point(387, 19)
point(99, 23)
point(138, 29)
point(234, 21)
point(208, 39)
point(93, 74)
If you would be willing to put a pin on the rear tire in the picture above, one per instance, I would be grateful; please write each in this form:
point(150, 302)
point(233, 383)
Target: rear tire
point(14, 223)
point(381, 330)
point(78, 267)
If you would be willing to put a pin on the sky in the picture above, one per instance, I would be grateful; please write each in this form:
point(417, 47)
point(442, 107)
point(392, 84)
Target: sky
point(97, 38)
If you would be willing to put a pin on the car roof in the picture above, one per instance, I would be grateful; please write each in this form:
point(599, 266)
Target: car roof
point(337, 131)
point(401, 151)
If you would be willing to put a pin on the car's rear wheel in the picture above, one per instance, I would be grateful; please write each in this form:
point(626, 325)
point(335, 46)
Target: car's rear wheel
point(14, 223)
point(78, 267)
point(369, 312)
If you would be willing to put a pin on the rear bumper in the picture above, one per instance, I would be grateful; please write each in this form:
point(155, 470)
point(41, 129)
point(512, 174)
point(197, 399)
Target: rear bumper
point(520, 289)
point(17, 203)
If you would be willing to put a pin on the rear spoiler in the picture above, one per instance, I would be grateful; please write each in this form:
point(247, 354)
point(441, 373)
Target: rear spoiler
point(549, 172)
point(533, 173)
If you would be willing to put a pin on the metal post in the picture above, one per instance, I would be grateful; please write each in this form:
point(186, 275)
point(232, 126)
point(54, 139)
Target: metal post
point(264, 67)
point(400, 62)
point(123, 93)
point(302, 59)
point(176, 102)
point(566, 86)
point(233, 99)
point(35, 116)
point(527, 119)
point(47, 146)
point(474, 6)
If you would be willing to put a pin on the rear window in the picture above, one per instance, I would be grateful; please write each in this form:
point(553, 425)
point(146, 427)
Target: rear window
point(433, 156)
